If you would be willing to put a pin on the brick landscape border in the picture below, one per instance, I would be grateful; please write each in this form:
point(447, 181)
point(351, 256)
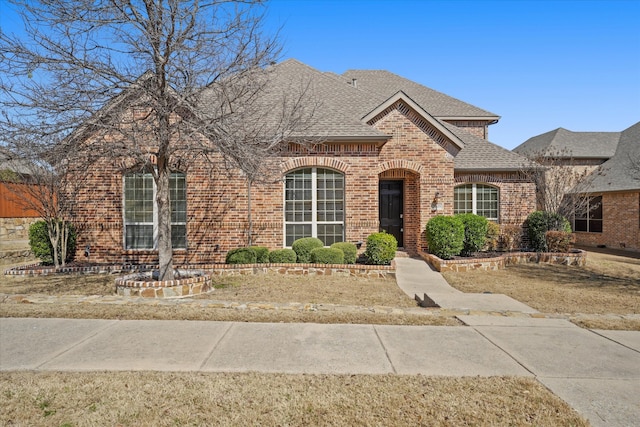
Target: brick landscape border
point(578, 258)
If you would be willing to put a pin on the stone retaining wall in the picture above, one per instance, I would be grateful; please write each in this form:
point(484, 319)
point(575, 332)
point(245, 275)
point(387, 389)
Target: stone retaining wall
point(578, 258)
point(15, 228)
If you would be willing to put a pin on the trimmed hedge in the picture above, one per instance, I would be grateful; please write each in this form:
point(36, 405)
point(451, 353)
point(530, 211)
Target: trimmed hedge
point(282, 256)
point(349, 249)
point(262, 254)
point(539, 222)
point(475, 232)
point(559, 241)
point(241, 256)
point(381, 249)
point(492, 237)
point(327, 256)
point(41, 244)
point(445, 235)
point(303, 247)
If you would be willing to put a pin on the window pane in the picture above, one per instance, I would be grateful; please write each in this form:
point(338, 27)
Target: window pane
point(139, 237)
point(138, 202)
point(178, 195)
point(178, 236)
point(330, 233)
point(462, 199)
point(297, 231)
point(487, 201)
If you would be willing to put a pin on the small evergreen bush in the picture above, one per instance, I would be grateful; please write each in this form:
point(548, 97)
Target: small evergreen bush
point(349, 249)
point(559, 241)
point(475, 232)
point(303, 247)
point(445, 235)
point(241, 256)
point(41, 246)
point(282, 256)
point(262, 254)
point(381, 248)
point(539, 222)
point(492, 237)
point(327, 256)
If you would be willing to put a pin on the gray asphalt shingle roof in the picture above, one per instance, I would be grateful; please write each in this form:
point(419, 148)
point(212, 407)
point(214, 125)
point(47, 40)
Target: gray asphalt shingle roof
point(572, 144)
point(342, 106)
point(438, 104)
point(479, 154)
point(617, 174)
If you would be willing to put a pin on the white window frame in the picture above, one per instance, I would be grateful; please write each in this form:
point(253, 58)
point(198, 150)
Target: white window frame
point(154, 216)
point(474, 198)
point(314, 205)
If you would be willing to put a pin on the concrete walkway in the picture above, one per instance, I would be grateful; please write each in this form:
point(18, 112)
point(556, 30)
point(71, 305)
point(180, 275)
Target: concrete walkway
point(596, 372)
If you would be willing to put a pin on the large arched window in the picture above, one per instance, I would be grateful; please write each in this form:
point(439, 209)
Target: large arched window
point(314, 205)
point(479, 199)
point(141, 213)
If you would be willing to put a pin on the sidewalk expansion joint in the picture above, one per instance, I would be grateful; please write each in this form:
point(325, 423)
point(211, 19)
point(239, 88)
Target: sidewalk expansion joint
point(386, 353)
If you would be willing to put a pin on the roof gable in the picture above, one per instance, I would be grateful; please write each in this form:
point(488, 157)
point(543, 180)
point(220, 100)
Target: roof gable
point(425, 121)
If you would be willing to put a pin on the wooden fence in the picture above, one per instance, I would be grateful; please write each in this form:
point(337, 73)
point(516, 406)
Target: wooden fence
point(16, 201)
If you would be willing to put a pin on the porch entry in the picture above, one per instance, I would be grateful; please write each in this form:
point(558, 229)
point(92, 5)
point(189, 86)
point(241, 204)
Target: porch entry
point(391, 208)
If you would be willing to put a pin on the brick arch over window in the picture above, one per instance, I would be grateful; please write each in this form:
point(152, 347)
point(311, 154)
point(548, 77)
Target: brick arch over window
point(321, 162)
point(400, 164)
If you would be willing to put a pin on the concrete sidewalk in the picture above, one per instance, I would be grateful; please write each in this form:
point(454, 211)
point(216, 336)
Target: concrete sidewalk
point(596, 372)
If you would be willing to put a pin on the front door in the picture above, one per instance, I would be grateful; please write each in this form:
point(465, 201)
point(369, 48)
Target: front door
point(391, 208)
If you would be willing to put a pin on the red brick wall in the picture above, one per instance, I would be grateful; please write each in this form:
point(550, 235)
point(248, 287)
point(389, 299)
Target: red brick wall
point(217, 198)
point(620, 223)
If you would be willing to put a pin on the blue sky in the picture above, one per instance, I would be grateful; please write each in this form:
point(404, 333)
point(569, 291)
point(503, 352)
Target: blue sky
point(540, 65)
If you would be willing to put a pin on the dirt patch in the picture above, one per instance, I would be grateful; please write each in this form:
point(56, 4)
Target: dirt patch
point(159, 399)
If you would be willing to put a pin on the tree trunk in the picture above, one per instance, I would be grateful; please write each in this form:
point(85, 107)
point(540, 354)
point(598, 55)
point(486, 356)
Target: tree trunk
point(165, 250)
point(249, 219)
point(54, 238)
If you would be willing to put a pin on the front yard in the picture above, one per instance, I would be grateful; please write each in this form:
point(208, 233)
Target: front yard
point(608, 285)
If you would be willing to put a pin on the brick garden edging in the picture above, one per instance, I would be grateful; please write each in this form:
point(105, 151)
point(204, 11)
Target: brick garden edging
point(138, 285)
point(578, 258)
point(132, 284)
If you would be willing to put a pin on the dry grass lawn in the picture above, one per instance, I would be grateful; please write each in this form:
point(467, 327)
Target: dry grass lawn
point(608, 284)
point(162, 399)
point(269, 288)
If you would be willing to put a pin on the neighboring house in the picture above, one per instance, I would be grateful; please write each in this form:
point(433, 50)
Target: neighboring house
point(612, 218)
point(393, 155)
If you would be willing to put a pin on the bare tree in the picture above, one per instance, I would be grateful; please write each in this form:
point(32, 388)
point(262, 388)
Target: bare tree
point(156, 83)
point(562, 182)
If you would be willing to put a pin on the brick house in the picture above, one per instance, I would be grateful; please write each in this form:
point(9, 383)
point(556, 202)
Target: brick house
point(613, 216)
point(393, 155)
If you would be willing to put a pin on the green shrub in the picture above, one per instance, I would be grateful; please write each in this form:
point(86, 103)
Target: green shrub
point(492, 237)
point(303, 247)
point(381, 248)
point(445, 235)
point(327, 256)
point(282, 256)
point(262, 254)
point(241, 256)
point(475, 232)
point(539, 222)
point(559, 241)
point(41, 245)
point(349, 249)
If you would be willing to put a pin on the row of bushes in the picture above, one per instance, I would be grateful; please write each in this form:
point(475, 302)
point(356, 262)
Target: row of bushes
point(464, 234)
point(381, 249)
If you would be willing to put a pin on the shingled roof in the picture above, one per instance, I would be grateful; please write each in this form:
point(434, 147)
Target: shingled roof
point(438, 104)
point(616, 172)
point(343, 108)
point(578, 145)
